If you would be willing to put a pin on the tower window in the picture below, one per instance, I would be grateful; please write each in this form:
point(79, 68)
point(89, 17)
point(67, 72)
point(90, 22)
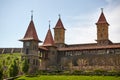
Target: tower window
point(27, 43)
point(36, 62)
point(27, 51)
point(101, 35)
point(33, 61)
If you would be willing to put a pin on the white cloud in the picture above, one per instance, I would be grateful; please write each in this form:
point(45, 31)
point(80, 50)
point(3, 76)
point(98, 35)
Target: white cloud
point(84, 29)
point(81, 31)
point(113, 13)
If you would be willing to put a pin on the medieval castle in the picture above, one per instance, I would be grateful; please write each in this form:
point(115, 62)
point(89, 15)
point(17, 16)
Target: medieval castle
point(55, 53)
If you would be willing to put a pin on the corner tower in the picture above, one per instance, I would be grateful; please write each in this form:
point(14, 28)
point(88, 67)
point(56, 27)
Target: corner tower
point(102, 30)
point(30, 47)
point(59, 33)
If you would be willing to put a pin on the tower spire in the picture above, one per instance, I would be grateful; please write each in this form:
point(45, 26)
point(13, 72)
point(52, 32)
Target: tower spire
point(102, 18)
point(101, 9)
point(49, 24)
point(59, 16)
point(31, 14)
point(48, 39)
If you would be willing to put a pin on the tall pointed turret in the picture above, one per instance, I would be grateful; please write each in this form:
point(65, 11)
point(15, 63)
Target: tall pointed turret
point(59, 24)
point(49, 39)
point(30, 47)
point(52, 51)
point(102, 19)
point(102, 30)
point(59, 33)
point(31, 33)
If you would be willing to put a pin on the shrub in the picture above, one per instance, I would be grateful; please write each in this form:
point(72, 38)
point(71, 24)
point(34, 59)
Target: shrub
point(77, 72)
point(25, 66)
point(100, 72)
point(1, 73)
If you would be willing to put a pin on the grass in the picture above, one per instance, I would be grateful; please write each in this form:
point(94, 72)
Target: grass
point(58, 77)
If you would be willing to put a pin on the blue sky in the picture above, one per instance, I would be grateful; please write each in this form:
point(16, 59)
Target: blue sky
point(78, 16)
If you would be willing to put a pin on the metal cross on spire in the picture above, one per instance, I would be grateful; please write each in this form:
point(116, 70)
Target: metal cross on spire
point(59, 16)
point(101, 9)
point(49, 24)
point(31, 14)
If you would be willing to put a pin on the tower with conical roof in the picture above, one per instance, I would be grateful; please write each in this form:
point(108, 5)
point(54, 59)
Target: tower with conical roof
point(49, 39)
point(30, 47)
point(59, 33)
point(102, 30)
point(52, 50)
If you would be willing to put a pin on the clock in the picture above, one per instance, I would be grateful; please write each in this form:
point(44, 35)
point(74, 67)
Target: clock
point(27, 44)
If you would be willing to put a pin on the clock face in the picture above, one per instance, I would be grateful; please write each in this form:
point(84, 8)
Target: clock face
point(27, 44)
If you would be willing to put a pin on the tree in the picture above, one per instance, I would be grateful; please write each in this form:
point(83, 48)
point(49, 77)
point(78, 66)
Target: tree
point(25, 66)
point(14, 69)
point(1, 72)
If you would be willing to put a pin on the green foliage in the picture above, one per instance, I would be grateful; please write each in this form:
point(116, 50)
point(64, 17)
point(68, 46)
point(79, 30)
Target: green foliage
point(100, 72)
point(9, 63)
point(1, 72)
point(77, 72)
point(25, 66)
point(14, 69)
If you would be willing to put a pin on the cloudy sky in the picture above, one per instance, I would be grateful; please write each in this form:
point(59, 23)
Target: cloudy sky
point(78, 16)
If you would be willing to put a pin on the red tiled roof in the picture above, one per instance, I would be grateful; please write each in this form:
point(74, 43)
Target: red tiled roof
point(31, 33)
point(49, 39)
point(89, 47)
point(102, 19)
point(59, 24)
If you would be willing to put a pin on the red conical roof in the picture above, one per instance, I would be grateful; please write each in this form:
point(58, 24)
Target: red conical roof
point(31, 33)
point(102, 19)
point(59, 24)
point(49, 39)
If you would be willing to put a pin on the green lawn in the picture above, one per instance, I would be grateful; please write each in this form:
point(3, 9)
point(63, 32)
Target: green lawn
point(54, 77)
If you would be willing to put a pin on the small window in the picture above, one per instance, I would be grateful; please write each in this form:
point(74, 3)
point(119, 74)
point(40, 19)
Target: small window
point(33, 61)
point(27, 51)
point(36, 62)
point(28, 61)
point(101, 35)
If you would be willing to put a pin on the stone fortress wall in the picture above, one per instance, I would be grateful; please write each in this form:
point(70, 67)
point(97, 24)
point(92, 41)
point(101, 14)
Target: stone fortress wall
point(10, 50)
